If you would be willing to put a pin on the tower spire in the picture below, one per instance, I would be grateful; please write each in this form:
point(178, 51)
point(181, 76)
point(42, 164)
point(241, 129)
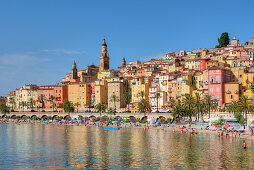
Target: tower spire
point(74, 70)
point(104, 59)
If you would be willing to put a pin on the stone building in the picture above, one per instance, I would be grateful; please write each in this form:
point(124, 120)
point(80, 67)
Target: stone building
point(117, 89)
point(104, 58)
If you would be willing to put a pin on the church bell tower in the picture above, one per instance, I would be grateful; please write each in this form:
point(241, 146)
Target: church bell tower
point(104, 58)
point(74, 71)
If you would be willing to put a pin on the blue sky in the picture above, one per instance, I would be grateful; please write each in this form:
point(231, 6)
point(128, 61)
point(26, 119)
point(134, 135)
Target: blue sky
point(40, 39)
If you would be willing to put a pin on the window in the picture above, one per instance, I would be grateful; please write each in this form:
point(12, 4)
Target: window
point(217, 97)
point(218, 79)
point(211, 89)
point(218, 90)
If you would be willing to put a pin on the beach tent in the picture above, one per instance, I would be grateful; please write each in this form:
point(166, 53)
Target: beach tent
point(226, 126)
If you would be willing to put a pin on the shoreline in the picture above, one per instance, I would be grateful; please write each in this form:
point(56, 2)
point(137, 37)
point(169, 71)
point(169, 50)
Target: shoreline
point(246, 135)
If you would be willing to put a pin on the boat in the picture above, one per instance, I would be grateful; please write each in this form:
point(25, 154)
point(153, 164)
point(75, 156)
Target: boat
point(111, 128)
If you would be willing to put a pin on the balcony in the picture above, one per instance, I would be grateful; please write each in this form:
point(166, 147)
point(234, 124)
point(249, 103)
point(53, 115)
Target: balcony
point(206, 82)
point(214, 82)
point(228, 92)
point(236, 92)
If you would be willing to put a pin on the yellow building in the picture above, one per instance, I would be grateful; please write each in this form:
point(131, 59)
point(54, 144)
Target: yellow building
point(25, 95)
point(190, 64)
point(101, 91)
point(187, 87)
point(173, 67)
point(198, 83)
point(237, 74)
point(79, 93)
point(247, 79)
point(139, 86)
point(106, 73)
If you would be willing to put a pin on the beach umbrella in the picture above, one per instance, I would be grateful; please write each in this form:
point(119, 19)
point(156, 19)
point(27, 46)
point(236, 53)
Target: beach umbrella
point(202, 125)
point(181, 127)
point(226, 126)
point(218, 126)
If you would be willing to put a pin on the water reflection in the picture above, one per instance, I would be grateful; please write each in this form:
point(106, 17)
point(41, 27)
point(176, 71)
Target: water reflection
point(50, 146)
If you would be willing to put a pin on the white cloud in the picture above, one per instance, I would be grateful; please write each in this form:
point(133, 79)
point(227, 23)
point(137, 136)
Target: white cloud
point(147, 58)
point(20, 69)
point(61, 51)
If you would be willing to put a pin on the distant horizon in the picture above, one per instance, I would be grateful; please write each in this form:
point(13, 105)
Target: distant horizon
point(40, 40)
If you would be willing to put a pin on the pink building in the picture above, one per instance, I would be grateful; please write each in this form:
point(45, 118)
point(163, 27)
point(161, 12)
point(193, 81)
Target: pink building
point(61, 93)
point(46, 91)
point(214, 79)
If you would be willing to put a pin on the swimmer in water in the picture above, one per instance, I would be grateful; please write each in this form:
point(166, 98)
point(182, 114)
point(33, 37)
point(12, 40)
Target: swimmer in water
point(244, 145)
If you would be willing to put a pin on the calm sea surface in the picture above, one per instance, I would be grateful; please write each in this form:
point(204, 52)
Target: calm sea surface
point(29, 146)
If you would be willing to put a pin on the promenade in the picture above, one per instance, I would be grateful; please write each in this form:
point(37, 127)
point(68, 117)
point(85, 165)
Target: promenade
point(84, 115)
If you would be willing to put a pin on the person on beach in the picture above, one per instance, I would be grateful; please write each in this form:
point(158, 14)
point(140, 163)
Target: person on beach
point(192, 131)
point(244, 145)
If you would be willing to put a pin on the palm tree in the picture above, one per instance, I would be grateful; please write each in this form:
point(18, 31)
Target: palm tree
point(89, 103)
point(157, 96)
point(245, 106)
point(141, 94)
point(31, 102)
point(252, 87)
point(144, 106)
point(41, 100)
point(114, 98)
point(77, 104)
point(210, 103)
point(171, 103)
point(189, 102)
point(233, 106)
point(198, 102)
point(127, 98)
point(177, 112)
point(51, 99)
point(23, 104)
point(101, 107)
point(12, 101)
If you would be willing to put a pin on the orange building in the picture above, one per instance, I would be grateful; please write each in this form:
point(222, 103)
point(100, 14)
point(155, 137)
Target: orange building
point(231, 92)
point(79, 93)
point(61, 93)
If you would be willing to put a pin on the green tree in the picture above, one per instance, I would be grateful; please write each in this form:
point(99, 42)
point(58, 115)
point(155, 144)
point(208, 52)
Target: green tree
point(31, 102)
point(157, 96)
point(114, 98)
point(223, 40)
point(189, 102)
point(233, 106)
point(68, 106)
point(144, 106)
point(210, 104)
point(239, 117)
point(127, 99)
point(177, 112)
point(4, 109)
point(12, 101)
point(51, 99)
point(41, 100)
point(90, 103)
point(77, 104)
point(141, 94)
point(198, 104)
point(252, 87)
point(101, 107)
point(245, 106)
point(23, 104)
